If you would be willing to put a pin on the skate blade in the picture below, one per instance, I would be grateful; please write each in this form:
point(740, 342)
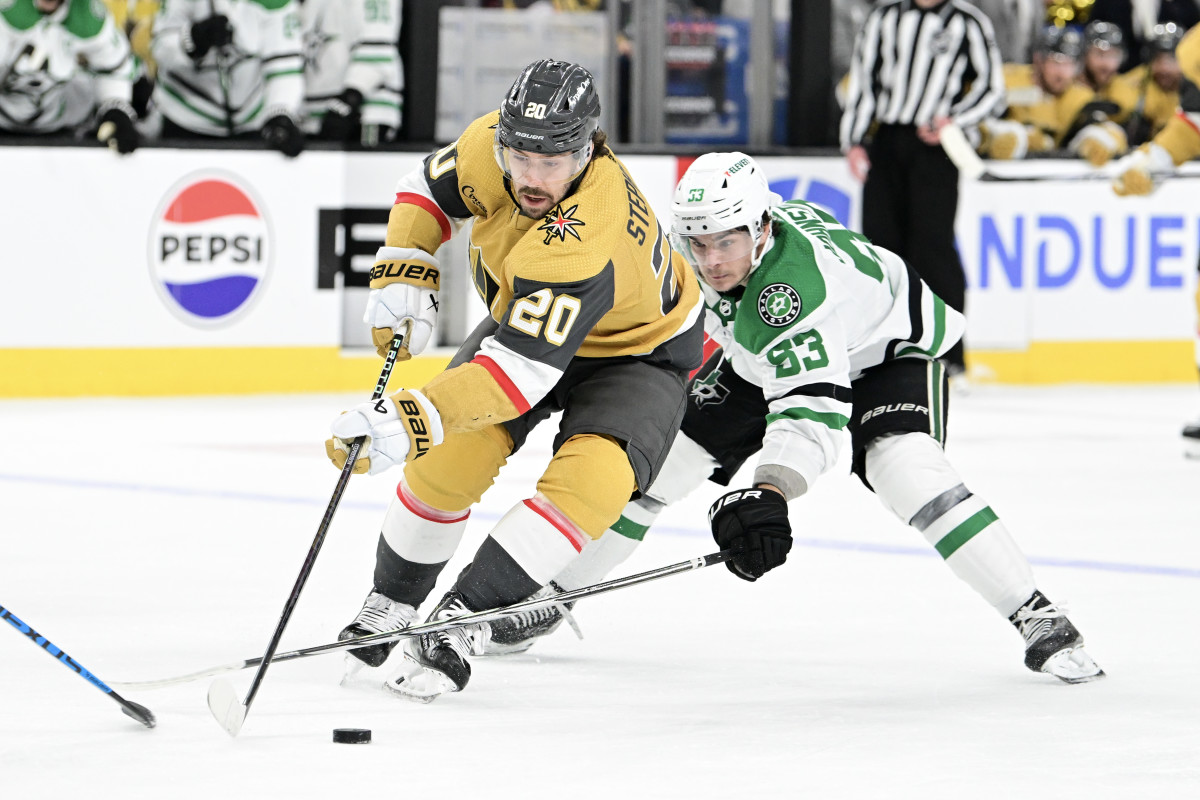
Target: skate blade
point(418, 683)
point(492, 649)
point(359, 675)
point(1073, 666)
point(485, 646)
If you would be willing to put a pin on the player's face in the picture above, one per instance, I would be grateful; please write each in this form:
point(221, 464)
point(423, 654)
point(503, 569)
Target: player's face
point(1102, 65)
point(1058, 72)
point(540, 181)
point(1164, 69)
point(723, 259)
point(47, 6)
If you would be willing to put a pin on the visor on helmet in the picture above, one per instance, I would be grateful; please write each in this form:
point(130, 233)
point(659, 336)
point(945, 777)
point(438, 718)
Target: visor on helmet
point(522, 166)
point(708, 249)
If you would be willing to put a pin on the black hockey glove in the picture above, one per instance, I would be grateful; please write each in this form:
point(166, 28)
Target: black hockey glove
point(207, 34)
point(281, 133)
point(342, 116)
point(753, 523)
point(116, 128)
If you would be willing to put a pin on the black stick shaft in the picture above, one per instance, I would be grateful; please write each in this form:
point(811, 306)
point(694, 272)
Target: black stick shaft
point(492, 614)
point(140, 713)
point(322, 529)
point(429, 627)
point(222, 76)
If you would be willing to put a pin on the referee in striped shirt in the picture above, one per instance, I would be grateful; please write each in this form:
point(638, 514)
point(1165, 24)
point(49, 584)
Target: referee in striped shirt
point(918, 65)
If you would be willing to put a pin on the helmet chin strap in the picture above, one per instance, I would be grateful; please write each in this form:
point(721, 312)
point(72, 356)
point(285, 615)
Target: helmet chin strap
point(761, 247)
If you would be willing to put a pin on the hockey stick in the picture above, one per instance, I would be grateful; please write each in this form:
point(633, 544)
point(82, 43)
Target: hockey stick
point(131, 709)
point(222, 75)
point(431, 627)
point(962, 153)
point(222, 700)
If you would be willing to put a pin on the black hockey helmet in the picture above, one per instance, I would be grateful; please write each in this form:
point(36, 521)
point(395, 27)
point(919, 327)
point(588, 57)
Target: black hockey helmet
point(1163, 38)
point(1103, 35)
point(552, 107)
point(1055, 40)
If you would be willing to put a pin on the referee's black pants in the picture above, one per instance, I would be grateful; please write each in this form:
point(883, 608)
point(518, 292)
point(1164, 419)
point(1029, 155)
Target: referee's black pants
point(909, 202)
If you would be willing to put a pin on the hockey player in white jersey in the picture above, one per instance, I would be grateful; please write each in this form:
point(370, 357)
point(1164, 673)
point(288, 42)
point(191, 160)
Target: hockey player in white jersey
point(230, 67)
point(828, 343)
point(65, 64)
point(353, 78)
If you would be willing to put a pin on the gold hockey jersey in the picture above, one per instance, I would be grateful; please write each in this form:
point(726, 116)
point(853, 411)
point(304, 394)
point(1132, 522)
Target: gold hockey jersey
point(594, 278)
point(1030, 105)
point(1124, 93)
point(1181, 135)
point(1139, 96)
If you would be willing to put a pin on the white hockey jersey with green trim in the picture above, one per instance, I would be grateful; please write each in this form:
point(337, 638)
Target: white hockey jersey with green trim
point(823, 306)
point(56, 69)
point(236, 88)
point(351, 44)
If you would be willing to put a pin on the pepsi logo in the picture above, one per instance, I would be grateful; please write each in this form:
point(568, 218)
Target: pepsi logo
point(210, 250)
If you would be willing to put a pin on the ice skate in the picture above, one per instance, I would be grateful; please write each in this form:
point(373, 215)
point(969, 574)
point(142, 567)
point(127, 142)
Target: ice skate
point(436, 663)
point(379, 613)
point(517, 633)
point(1052, 644)
point(1191, 439)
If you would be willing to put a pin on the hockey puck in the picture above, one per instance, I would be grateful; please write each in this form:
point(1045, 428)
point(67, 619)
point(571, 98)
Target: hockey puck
point(352, 735)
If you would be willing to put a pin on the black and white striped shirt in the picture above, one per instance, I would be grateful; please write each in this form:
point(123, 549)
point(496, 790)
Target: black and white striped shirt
point(912, 64)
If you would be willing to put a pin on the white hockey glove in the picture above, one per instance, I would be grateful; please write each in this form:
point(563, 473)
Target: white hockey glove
point(1003, 139)
point(403, 299)
point(398, 429)
point(1140, 172)
point(1099, 142)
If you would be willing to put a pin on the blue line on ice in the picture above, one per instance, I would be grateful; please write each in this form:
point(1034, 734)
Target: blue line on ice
point(818, 544)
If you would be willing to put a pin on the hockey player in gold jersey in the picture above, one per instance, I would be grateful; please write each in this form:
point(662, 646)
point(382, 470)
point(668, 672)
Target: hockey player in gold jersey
point(590, 311)
point(1048, 108)
point(1153, 86)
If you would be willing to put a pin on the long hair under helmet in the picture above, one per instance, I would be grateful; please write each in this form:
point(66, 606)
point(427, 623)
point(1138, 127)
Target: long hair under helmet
point(551, 108)
point(722, 192)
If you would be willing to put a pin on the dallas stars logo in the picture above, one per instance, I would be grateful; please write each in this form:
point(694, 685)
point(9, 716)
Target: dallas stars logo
point(559, 223)
point(778, 304)
point(709, 389)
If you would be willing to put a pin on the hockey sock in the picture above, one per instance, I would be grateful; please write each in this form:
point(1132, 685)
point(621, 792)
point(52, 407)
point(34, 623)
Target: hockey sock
point(456, 473)
point(600, 557)
point(529, 546)
point(589, 481)
point(910, 474)
point(687, 466)
point(977, 547)
point(416, 542)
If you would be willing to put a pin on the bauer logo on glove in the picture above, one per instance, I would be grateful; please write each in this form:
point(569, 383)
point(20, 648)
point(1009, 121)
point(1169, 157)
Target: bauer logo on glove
point(397, 429)
point(408, 273)
point(753, 525)
point(403, 299)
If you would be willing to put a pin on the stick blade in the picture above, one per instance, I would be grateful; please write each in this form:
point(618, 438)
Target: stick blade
point(139, 712)
point(225, 706)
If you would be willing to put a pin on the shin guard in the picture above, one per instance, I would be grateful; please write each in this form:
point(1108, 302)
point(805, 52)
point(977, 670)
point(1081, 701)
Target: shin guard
point(531, 544)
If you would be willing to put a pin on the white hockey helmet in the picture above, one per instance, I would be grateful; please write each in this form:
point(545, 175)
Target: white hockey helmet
point(721, 192)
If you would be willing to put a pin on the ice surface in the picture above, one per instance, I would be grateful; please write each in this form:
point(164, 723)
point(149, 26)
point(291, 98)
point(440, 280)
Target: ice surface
point(151, 538)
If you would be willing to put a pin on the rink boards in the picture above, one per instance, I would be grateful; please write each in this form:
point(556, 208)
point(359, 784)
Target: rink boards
point(218, 272)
